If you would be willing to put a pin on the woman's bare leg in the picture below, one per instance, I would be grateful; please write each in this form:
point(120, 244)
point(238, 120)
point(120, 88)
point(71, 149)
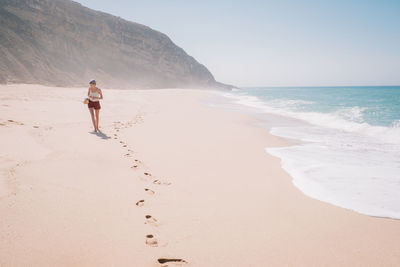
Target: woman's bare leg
point(92, 115)
point(97, 119)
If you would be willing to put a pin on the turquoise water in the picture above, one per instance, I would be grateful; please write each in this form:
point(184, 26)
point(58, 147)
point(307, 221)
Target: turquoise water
point(348, 152)
point(374, 105)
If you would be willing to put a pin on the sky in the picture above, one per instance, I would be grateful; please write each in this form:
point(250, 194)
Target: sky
point(278, 43)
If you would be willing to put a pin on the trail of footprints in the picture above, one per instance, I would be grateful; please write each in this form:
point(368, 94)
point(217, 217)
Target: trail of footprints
point(137, 165)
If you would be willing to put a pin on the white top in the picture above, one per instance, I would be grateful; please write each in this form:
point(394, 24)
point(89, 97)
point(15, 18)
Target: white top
point(93, 96)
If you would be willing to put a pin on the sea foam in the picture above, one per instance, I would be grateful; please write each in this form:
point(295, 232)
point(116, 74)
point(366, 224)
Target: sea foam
point(341, 159)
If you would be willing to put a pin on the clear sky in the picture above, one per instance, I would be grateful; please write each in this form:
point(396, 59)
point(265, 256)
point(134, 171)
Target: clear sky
point(278, 43)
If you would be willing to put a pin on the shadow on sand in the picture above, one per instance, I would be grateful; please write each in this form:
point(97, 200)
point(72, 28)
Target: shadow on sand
point(100, 134)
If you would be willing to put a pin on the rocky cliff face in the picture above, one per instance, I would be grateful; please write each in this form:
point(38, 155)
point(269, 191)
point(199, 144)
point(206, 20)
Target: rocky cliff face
point(61, 42)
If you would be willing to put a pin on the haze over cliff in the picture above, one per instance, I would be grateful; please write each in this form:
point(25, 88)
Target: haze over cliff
point(61, 42)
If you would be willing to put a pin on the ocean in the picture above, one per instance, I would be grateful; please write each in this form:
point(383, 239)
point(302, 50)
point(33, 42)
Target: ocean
point(347, 141)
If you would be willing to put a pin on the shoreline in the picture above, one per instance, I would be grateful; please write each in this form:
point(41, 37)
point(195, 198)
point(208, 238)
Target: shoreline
point(314, 170)
point(223, 200)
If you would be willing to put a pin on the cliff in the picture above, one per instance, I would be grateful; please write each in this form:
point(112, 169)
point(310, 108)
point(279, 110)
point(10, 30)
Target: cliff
point(62, 43)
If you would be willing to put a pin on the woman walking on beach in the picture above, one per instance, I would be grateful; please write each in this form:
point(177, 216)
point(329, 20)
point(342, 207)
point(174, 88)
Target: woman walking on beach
point(94, 95)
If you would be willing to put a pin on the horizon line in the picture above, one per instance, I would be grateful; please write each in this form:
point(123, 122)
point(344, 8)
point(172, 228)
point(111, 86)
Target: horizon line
point(305, 86)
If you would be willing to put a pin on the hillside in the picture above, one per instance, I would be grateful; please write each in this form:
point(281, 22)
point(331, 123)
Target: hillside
point(61, 42)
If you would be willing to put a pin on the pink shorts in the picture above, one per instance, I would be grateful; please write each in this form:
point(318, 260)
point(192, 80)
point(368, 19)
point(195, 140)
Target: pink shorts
point(94, 104)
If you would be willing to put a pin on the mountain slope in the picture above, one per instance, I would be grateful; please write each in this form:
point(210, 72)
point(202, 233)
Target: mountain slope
point(61, 42)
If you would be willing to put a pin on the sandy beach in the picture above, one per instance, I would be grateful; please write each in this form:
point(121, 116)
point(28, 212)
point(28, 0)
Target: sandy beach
point(195, 178)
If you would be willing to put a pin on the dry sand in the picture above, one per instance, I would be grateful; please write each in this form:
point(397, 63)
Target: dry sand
point(69, 197)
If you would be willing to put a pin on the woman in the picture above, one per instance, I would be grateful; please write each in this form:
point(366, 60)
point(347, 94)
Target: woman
point(94, 95)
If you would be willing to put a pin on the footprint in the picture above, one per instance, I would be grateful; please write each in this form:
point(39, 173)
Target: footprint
point(128, 155)
point(124, 145)
point(151, 241)
point(160, 183)
point(145, 178)
point(166, 262)
point(9, 122)
point(140, 203)
point(149, 191)
point(137, 162)
point(151, 220)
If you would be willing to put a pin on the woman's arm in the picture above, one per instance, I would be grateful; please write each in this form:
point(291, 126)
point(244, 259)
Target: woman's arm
point(101, 94)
